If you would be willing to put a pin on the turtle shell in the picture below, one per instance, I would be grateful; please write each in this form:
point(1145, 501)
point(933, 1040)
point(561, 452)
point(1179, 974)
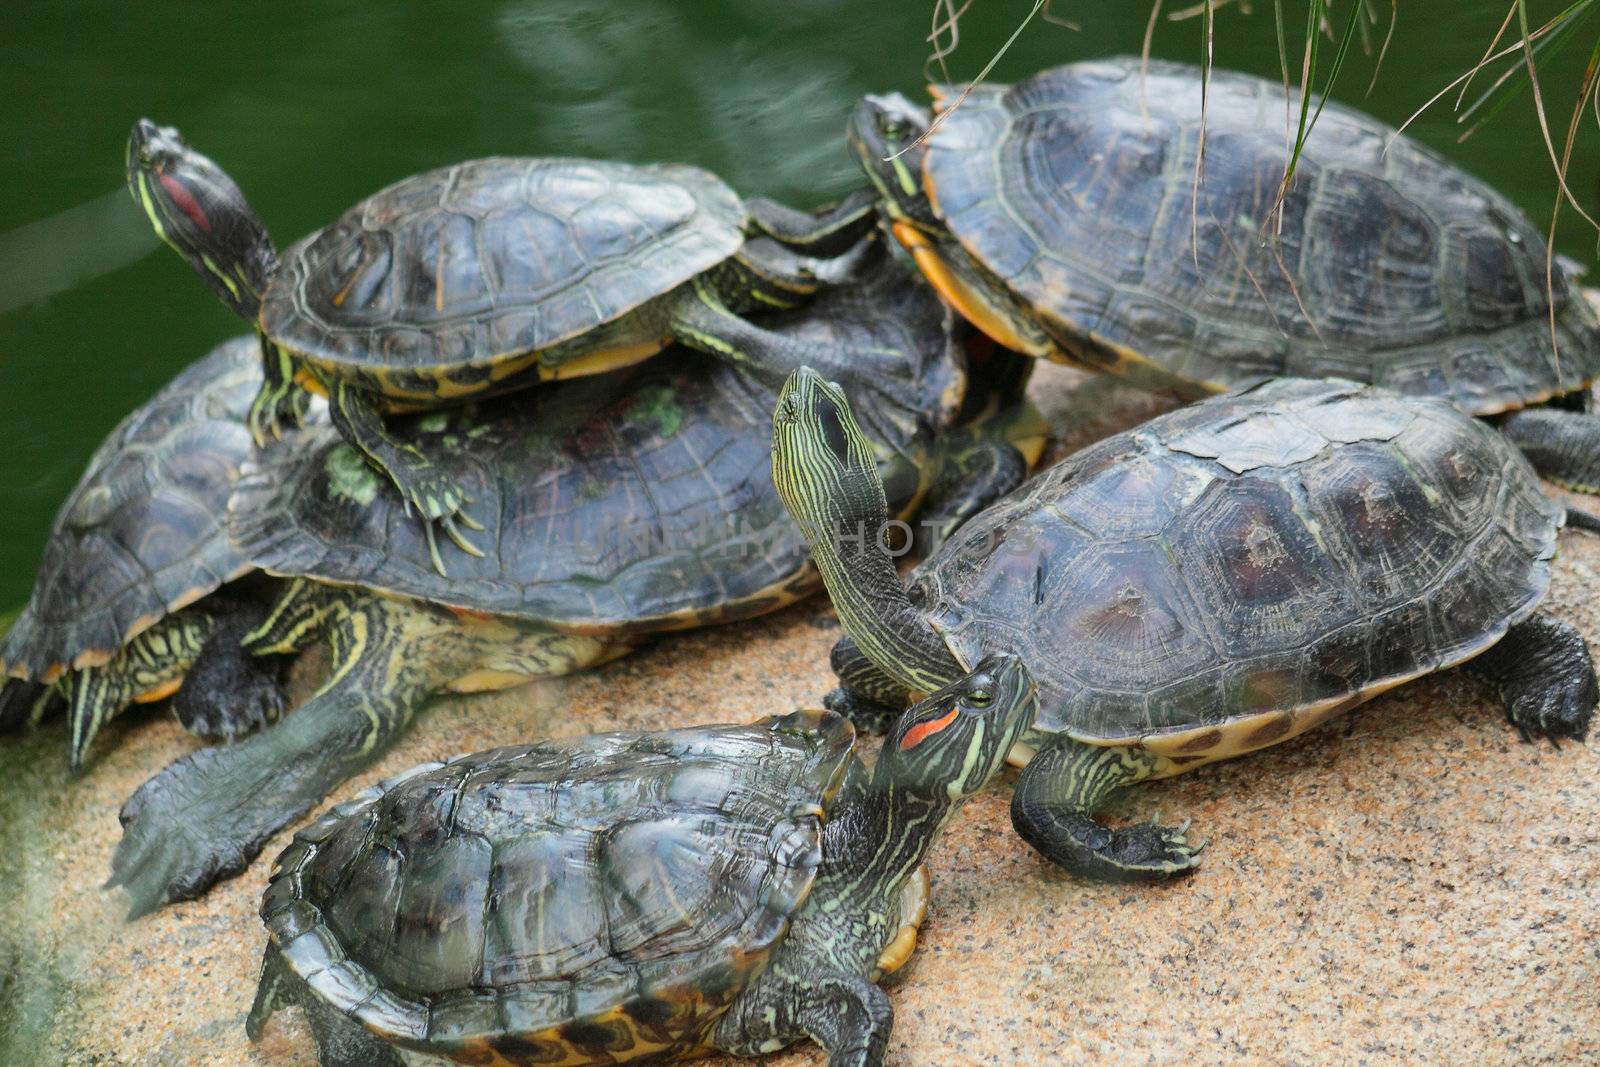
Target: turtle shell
point(144, 532)
point(634, 501)
point(587, 897)
point(1076, 188)
point(1230, 574)
point(464, 266)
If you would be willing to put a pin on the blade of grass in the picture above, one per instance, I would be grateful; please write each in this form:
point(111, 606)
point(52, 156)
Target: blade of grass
point(966, 90)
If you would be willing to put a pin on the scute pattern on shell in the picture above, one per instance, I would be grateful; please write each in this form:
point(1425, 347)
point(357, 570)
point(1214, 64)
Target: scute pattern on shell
point(613, 887)
point(634, 501)
point(143, 533)
point(1285, 547)
point(494, 257)
point(1393, 267)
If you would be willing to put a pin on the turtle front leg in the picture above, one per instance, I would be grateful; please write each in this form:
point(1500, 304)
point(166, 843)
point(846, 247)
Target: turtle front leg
point(846, 1015)
point(227, 692)
point(281, 399)
point(1562, 445)
point(1057, 795)
point(1546, 676)
point(429, 490)
point(821, 233)
point(870, 699)
point(205, 817)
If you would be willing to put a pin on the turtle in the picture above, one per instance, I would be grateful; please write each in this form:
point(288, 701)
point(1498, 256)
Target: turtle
point(1062, 215)
point(631, 896)
point(1219, 579)
point(619, 507)
point(482, 277)
point(138, 572)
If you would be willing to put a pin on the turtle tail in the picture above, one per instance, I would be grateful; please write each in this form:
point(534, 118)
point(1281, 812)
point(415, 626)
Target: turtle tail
point(23, 703)
point(1579, 519)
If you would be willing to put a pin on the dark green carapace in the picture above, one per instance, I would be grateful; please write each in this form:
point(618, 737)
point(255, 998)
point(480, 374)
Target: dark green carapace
point(1063, 216)
point(1217, 580)
point(629, 896)
point(485, 277)
point(615, 507)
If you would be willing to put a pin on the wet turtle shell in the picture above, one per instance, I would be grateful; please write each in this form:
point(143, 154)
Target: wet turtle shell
point(465, 267)
point(144, 532)
point(635, 501)
point(1075, 189)
point(1232, 573)
point(587, 897)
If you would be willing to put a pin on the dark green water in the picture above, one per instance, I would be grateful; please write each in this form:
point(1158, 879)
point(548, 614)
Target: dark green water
point(314, 105)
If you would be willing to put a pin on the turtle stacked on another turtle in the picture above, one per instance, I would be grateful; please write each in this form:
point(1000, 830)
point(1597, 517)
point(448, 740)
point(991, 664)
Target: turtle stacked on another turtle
point(139, 575)
point(1063, 216)
point(484, 277)
point(619, 507)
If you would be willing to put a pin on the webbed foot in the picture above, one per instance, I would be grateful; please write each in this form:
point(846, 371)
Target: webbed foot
point(1056, 796)
point(1546, 677)
point(1140, 853)
point(227, 692)
point(196, 823)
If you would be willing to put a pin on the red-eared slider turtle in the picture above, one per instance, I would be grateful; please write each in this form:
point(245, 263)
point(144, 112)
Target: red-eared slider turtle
point(483, 277)
point(1214, 581)
point(616, 507)
point(1061, 216)
point(138, 571)
point(631, 896)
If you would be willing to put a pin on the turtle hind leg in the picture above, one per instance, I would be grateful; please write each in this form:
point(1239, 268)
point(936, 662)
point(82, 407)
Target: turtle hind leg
point(227, 692)
point(1546, 676)
point(1059, 792)
point(148, 667)
point(870, 699)
point(428, 489)
point(205, 817)
point(1562, 445)
point(341, 1042)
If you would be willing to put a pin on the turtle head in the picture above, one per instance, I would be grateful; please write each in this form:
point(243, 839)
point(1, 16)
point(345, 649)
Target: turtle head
point(822, 464)
point(884, 134)
point(198, 210)
point(825, 472)
point(955, 740)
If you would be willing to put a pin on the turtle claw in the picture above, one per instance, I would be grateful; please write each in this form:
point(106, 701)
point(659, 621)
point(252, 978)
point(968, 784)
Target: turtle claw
point(468, 521)
point(433, 549)
point(449, 524)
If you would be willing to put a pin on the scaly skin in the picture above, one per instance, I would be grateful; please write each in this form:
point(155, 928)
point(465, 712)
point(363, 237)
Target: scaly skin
point(820, 981)
point(208, 815)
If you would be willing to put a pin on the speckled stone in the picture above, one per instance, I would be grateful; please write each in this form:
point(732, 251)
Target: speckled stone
point(1411, 883)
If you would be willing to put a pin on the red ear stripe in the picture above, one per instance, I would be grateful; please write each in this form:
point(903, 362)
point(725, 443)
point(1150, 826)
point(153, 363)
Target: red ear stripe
point(922, 731)
point(185, 200)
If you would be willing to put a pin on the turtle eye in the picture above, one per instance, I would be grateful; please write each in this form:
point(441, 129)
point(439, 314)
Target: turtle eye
point(980, 697)
point(893, 128)
point(144, 155)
